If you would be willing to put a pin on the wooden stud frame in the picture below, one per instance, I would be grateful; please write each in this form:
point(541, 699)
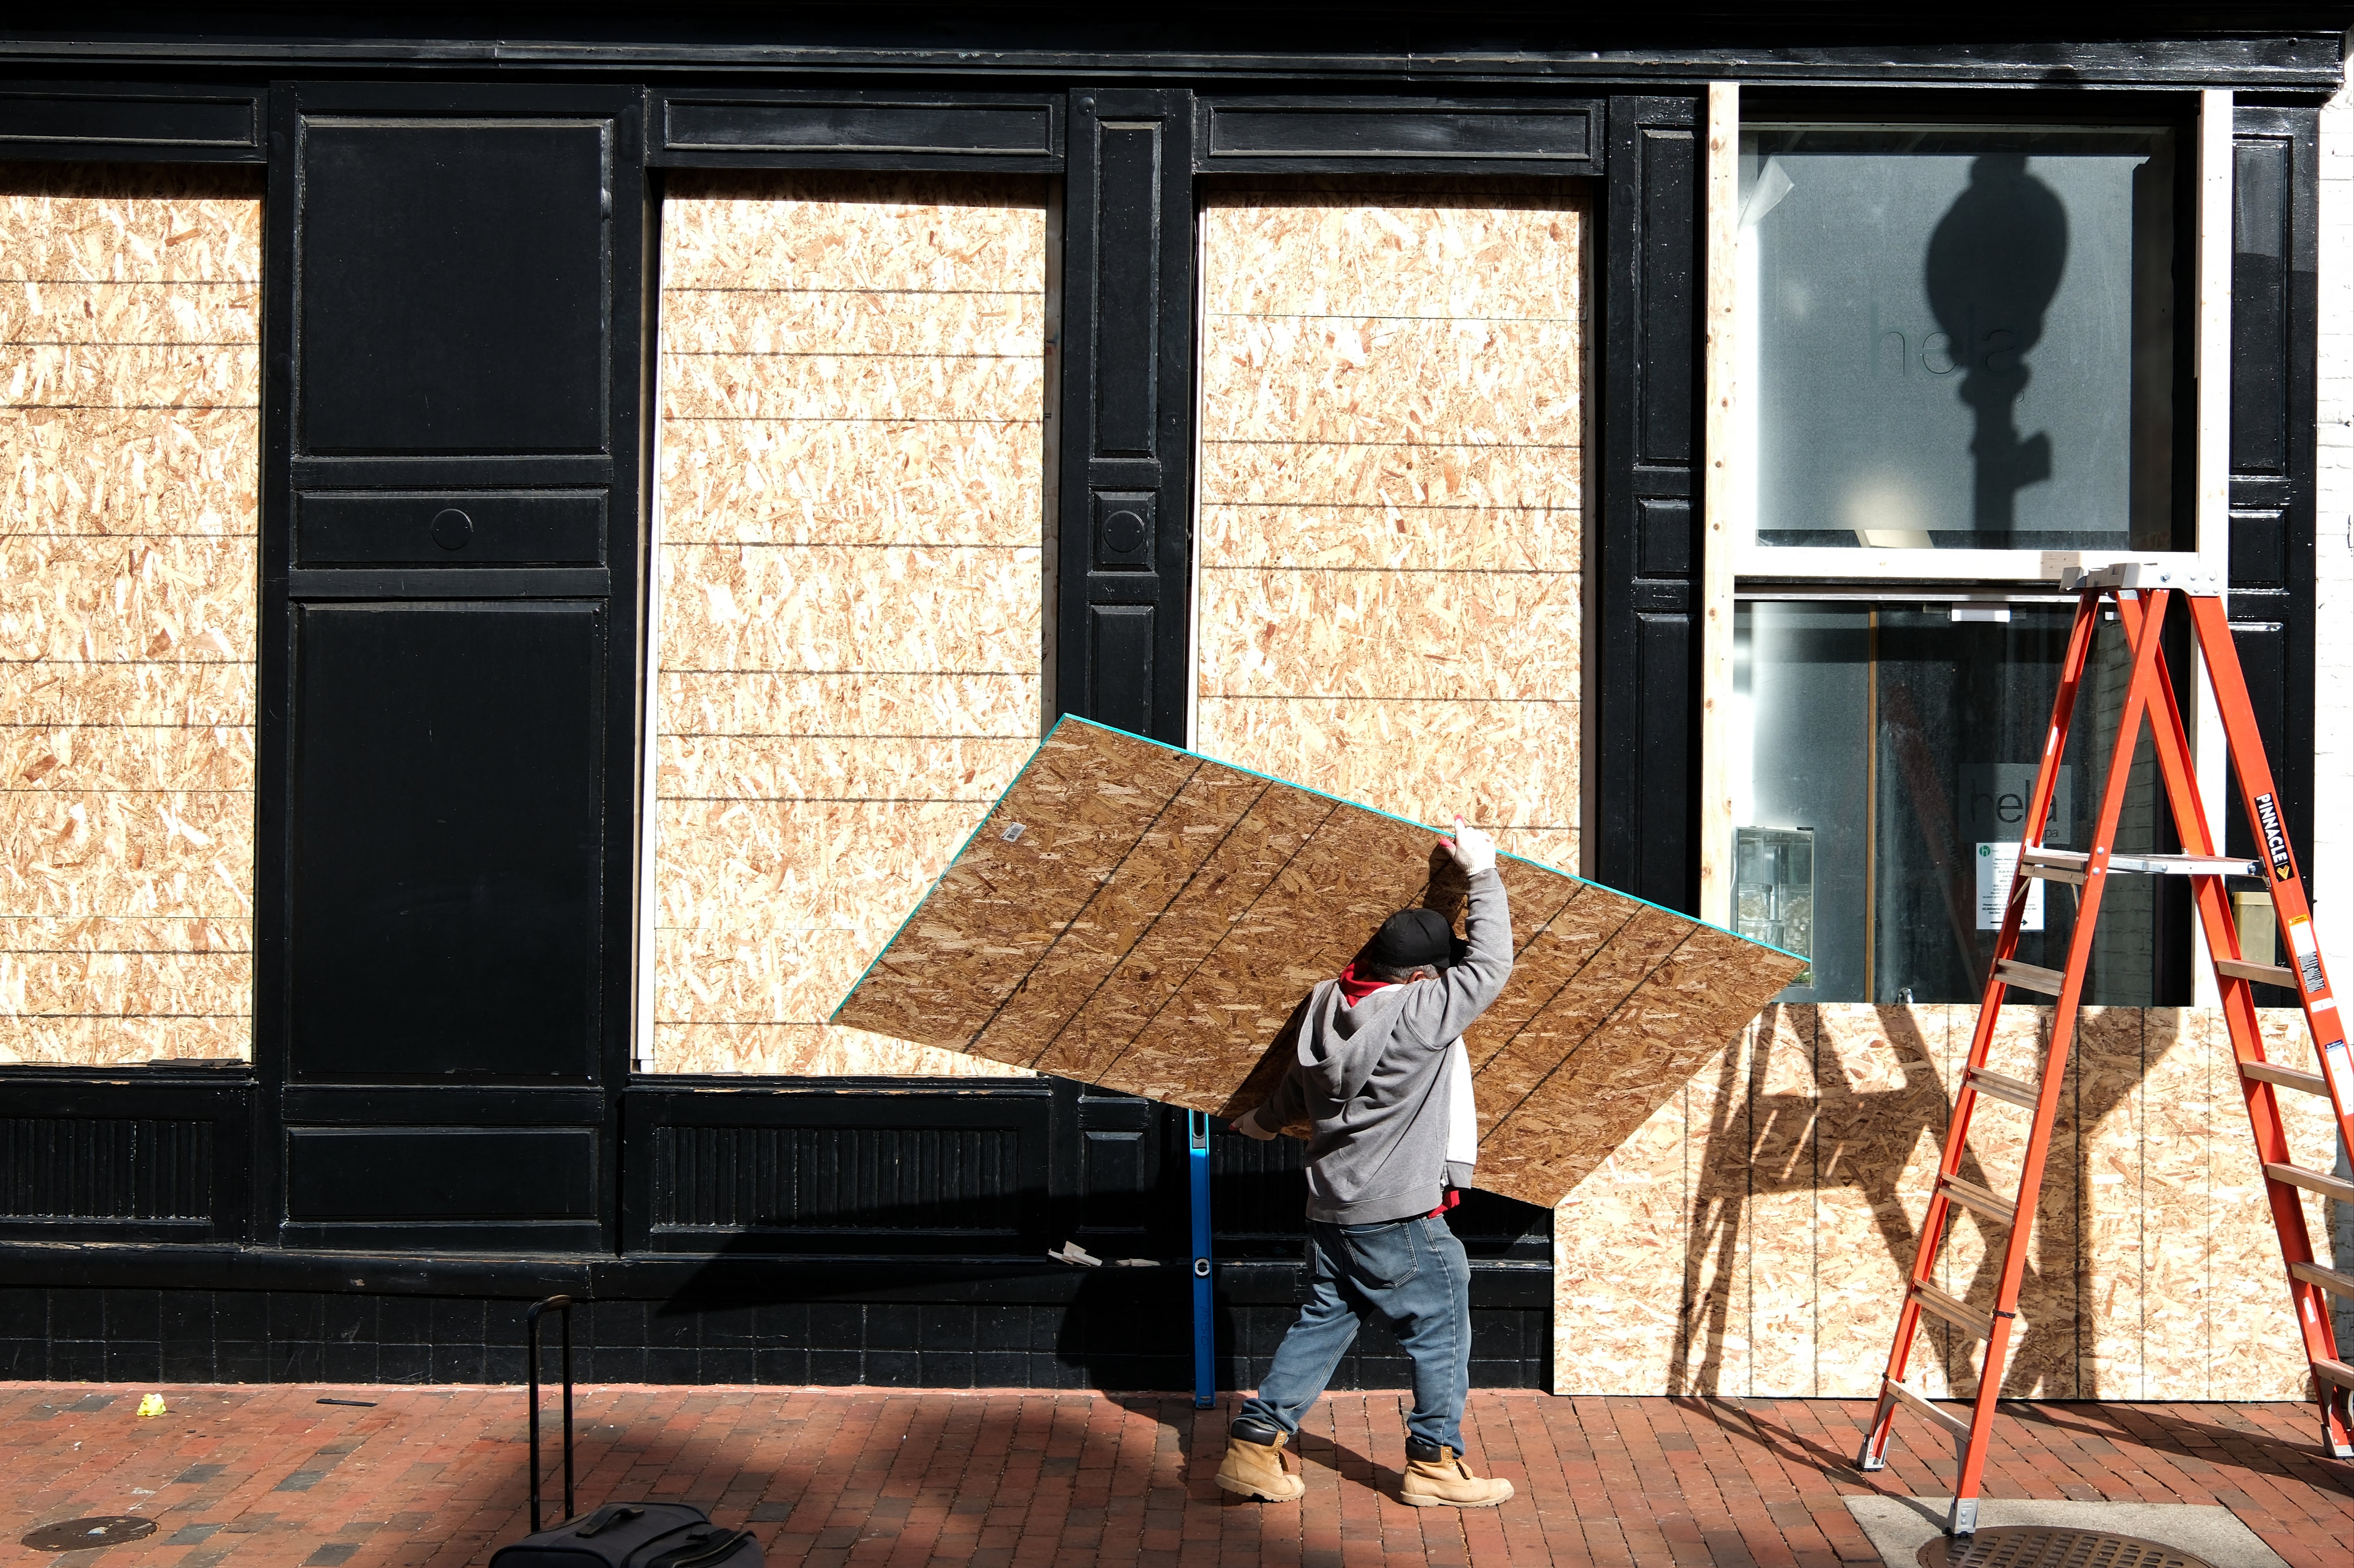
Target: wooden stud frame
point(2207, 247)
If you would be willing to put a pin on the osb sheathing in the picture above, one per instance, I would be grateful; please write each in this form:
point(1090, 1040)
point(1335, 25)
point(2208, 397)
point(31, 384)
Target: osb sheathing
point(1147, 920)
point(1794, 1169)
point(849, 655)
point(1391, 490)
point(130, 437)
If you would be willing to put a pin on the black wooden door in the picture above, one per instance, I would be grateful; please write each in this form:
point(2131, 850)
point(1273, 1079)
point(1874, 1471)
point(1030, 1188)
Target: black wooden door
point(449, 573)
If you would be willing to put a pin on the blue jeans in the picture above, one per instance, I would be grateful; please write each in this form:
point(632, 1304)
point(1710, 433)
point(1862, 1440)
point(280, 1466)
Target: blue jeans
point(1410, 1273)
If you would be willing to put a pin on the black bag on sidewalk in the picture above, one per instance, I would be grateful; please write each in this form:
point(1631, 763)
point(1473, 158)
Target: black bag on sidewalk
point(619, 1535)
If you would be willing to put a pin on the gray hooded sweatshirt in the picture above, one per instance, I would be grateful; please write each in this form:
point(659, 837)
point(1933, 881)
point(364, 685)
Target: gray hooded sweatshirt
point(1376, 1080)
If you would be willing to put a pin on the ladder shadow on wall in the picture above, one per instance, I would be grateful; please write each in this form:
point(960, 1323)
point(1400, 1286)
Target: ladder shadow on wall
point(1758, 1143)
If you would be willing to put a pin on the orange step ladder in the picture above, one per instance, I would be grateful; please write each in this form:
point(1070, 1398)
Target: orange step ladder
point(2141, 593)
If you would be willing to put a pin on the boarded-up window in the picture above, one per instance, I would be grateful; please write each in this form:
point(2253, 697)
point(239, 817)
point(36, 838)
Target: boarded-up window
point(850, 596)
point(129, 433)
point(1390, 538)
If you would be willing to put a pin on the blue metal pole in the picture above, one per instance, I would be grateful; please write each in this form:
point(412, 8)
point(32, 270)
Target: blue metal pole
point(1197, 1159)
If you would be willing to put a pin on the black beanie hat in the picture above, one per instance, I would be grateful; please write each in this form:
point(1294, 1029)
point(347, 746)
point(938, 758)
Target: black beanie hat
point(1412, 938)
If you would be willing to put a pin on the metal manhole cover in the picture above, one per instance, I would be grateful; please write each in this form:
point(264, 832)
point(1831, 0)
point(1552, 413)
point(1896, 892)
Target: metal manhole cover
point(2052, 1546)
point(84, 1534)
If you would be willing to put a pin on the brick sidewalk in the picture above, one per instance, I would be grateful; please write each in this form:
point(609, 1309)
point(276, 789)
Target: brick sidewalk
point(267, 1475)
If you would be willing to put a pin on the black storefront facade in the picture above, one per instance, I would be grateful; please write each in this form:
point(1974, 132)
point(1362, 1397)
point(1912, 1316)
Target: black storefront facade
point(442, 1118)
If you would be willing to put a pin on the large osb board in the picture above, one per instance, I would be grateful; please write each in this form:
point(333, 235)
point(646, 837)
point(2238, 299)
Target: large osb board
point(1753, 1238)
point(130, 441)
point(1147, 920)
point(1391, 545)
point(849, 606)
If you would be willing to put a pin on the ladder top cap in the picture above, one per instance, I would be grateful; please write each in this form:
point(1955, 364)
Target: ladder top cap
point(2141, 577)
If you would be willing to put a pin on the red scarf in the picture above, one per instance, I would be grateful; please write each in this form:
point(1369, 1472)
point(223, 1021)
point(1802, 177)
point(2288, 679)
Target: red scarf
point(1354, 988)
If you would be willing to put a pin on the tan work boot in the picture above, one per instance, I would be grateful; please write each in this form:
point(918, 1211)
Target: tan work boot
point(1255, 1471)
point(1447, 1482)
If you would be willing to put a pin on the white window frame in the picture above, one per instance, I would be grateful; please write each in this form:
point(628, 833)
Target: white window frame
point(1735, 564)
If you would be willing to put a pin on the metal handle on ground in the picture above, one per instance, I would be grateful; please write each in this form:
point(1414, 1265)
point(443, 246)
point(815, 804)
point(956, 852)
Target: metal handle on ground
point(1197, 1160)
point(562, 1305)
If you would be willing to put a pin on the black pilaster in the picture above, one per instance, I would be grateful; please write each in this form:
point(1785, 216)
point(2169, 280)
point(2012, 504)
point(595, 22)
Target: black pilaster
point(2275, 190)
point(1126, 494)
point(1645, 647)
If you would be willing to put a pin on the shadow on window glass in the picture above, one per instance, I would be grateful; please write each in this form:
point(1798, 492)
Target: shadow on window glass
point(1962, 337)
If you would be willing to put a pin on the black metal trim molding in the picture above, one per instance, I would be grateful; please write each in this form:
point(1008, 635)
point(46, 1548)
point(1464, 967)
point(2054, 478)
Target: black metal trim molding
point(2285, 47)
point(975, 132)
point(1124, 494)
point(1351, 135)
point(130, 122)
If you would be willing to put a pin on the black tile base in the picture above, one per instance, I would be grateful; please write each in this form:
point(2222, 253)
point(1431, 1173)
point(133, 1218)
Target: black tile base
point(226, 1336)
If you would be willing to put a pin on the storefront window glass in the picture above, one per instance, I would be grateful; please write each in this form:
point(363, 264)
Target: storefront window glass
point(1890, 750)
point(1962, 337)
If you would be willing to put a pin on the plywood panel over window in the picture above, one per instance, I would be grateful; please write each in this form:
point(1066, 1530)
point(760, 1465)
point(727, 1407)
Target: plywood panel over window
point(851, 598)
point(1752, 1239)
point(1390, 545)
point(129, 434)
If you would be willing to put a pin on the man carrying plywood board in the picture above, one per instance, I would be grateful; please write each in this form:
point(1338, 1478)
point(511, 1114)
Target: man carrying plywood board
point(1146, 920)
point(1379, 1071)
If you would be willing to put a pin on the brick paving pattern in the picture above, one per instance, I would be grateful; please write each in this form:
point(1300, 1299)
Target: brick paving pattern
point(268, 1476)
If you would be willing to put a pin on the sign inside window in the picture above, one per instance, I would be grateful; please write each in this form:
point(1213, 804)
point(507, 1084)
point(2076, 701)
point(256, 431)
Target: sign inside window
point(1994, 797)
point(1998, 862)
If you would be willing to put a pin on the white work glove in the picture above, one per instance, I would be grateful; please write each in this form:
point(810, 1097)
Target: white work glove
point(1474, 850)
point(1249, 1126)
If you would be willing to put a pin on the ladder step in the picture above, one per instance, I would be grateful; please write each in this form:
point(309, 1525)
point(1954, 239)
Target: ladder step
point(2311, 1180)
point(1972, 1196)
point(2258, 974)
point(2337, 1373)
point(2002, 1086)
point(2148, 864)
point(1957, 1312)
point(2042, 873)
point(2286, 1078)
point(1945, 1418)
point(2029, 977)
point(2328, 1280)
point(2185, 865)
